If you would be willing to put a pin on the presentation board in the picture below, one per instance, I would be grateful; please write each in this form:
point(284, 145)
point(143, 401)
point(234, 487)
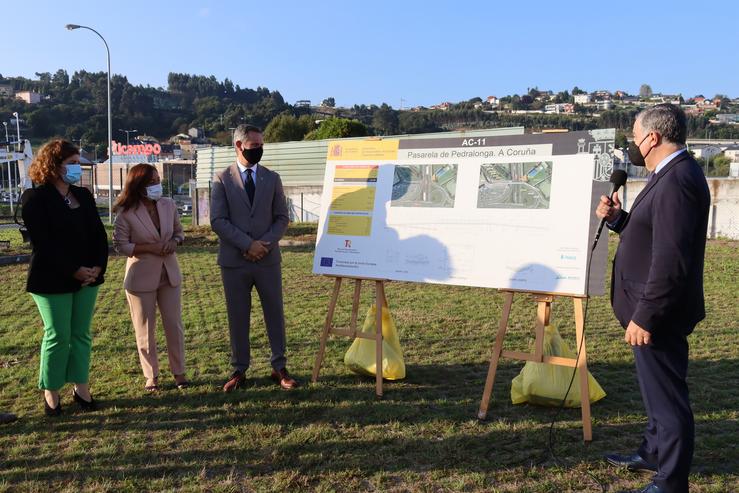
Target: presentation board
point(499, 211)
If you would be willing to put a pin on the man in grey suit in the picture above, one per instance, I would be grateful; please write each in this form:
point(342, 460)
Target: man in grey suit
point(248, 212)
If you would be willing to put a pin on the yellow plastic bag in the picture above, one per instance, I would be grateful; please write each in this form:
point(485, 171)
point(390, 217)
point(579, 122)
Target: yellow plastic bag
point(545, 384)
point(360, 358)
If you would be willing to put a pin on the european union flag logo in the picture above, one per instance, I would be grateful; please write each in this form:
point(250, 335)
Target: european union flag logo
point(327, 262)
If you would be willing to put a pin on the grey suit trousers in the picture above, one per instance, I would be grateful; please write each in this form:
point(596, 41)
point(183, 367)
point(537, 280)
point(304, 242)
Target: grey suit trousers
point(237, 284)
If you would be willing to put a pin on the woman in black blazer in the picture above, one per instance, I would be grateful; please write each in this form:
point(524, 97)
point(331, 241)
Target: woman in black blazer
point(68, 261)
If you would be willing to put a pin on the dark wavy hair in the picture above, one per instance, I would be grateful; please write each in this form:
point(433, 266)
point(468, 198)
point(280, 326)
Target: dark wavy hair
point(137, 179)
point(46, 164)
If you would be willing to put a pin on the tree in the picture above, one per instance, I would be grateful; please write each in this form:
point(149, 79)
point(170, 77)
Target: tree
point(385, 120)
point(329, 102)
point(723, 101)
point(719, 165)
point(336, 128)
point(576, 90)
point(286, 127)
point(621, 142)
point(562, 97)
point(645, 91)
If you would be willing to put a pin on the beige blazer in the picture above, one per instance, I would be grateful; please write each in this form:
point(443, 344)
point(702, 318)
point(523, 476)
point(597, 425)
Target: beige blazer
point(144, 271)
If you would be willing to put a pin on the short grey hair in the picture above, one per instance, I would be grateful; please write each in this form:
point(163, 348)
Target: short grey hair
point(241, 132)
point(667, 120)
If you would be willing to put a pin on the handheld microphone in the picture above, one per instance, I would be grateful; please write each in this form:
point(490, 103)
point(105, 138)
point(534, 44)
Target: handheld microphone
point(618, 179)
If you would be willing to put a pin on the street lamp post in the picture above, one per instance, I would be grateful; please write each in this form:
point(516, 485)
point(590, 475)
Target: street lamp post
point(11, 168)
point(127, 134)
point(17, 129)
point(7, 150)
point(72, 27)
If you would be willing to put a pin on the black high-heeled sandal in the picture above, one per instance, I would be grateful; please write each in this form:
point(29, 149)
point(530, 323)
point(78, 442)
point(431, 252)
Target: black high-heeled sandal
point(181, 384)
point(90, 405)
point(53, 411)
point(154, 387)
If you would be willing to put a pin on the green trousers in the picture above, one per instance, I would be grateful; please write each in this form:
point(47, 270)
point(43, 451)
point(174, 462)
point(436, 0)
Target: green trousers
point(66, 346)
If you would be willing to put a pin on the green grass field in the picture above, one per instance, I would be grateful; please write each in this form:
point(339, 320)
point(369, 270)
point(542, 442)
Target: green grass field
point(335, 436)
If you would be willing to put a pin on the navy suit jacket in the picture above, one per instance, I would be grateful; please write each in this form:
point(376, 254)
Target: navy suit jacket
point(658, 269)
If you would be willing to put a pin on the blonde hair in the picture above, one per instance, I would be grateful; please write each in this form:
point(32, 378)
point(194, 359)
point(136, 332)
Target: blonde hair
point(46, 164)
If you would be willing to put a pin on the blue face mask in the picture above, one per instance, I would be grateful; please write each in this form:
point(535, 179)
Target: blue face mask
point(73, 173)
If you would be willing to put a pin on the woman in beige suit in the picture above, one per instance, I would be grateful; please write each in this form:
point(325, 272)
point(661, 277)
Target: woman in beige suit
point(148, 231)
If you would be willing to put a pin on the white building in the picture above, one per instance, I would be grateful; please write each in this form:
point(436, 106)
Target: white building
point(29, 97)
point(582, 98)
point(558, 108)
point(727, 118)
point(732, 152)
point(705, 152)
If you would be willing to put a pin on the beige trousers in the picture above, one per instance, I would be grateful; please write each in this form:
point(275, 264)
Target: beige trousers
point(143, 307)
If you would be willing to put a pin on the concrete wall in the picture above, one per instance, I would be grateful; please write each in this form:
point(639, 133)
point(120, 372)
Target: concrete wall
point(723, 220)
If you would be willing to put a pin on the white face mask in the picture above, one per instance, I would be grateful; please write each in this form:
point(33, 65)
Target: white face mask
point(154, 192)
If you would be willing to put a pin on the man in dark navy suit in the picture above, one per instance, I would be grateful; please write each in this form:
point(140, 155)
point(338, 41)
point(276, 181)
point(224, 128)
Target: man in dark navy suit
point(657, 289)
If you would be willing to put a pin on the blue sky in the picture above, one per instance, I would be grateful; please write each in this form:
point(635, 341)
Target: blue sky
point(372, 52)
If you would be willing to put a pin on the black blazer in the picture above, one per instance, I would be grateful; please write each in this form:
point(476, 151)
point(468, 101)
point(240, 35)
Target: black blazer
point(658, 269)
point(62, 243)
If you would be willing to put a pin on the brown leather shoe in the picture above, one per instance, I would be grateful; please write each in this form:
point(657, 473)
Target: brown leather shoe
point(284, 379)
point(237, 378)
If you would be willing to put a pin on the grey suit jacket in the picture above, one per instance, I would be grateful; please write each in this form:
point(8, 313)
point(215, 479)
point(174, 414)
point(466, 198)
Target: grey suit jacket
point(238, 222)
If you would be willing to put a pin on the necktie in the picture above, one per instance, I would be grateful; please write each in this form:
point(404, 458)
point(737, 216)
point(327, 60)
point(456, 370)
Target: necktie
point(650, 176)
point(249, 185)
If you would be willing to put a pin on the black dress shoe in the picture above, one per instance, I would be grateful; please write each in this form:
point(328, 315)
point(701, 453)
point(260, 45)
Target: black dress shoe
point(7, 418)
point(53, 411)
point(90, 405)
point(631, 462)
point(650, 488)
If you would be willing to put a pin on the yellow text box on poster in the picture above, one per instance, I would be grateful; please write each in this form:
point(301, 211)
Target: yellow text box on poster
point(358, 150)
point(349, 225)
point(353, 198)
point(362, 172)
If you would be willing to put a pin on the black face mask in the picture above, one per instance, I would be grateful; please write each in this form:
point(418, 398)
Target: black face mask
point(635, 154)
point(254, 155)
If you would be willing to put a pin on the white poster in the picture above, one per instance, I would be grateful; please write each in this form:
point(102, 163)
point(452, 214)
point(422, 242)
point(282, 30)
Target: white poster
point(503, 212)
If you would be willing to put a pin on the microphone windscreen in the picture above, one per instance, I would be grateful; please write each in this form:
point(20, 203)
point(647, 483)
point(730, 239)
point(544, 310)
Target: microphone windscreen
point(618, 178)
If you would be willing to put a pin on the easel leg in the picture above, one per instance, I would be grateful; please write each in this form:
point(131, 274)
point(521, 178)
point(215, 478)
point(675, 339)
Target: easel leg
point(487, 393)
point(542, 320)
point(326, 328)
point(582, 367)
point(379, 303)
point(355, 307)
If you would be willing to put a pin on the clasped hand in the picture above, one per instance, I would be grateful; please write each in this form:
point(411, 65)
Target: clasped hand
point(87, 275)
point(257, 250)
point(163, 249)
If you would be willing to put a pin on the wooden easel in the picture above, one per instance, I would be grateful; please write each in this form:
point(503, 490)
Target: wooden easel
point(351, 332)
point(543, 312)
